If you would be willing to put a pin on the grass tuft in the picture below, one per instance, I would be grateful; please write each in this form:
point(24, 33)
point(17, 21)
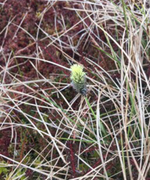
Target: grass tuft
point(97, 129)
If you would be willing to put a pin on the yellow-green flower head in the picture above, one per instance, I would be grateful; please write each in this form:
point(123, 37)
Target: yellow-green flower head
point(77, 74)
point(78, 78)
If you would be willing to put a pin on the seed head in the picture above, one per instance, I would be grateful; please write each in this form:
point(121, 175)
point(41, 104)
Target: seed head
point(78, 78)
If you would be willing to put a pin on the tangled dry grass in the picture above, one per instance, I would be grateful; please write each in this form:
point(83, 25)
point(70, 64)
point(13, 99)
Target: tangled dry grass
point(47, 130)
